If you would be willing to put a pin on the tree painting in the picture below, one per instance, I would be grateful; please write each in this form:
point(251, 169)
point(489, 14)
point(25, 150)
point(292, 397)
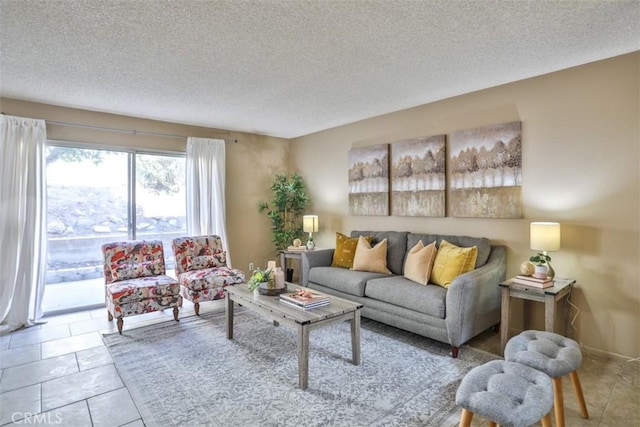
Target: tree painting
point(485, 167)
point(418, 180)
point(369, 180)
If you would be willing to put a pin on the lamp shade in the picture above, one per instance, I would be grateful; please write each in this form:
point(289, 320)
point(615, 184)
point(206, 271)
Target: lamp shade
point(544, 236)
point(310, 223)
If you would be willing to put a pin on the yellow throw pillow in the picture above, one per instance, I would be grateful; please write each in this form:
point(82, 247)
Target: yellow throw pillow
point(419, 262)
point(452, 261)
point(371, 259)
point(345, 250)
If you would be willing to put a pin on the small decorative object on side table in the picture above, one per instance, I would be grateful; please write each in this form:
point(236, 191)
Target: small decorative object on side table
point(549, 296)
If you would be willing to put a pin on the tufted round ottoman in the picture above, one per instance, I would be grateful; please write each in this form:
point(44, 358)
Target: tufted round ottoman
point(554, 355)
point(506, 393)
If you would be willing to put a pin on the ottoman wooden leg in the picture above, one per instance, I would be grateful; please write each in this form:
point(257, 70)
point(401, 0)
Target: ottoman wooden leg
point(577, 388)
point(109, 316)
point(120, 323)
point(175, 314)
point(558, 401)
point(465, 418)
point(196, 308)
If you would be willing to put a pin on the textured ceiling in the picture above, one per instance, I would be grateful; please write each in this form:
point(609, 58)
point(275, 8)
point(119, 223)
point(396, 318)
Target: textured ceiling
point(290, 68)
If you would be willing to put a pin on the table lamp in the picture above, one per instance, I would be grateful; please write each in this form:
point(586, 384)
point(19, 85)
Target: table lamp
point(310, 225)
point(545, 237)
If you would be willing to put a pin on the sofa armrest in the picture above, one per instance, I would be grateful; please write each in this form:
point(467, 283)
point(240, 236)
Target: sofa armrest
point(317, 258)
point(473, 299)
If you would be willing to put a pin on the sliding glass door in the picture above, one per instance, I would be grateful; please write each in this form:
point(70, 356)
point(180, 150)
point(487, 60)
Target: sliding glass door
point(95, 196)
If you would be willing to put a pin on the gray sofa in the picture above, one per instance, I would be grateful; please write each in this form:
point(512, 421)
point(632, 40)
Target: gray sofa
point(451, 315)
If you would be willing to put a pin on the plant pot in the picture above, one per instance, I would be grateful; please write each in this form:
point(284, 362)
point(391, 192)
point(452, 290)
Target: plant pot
point(540, 272)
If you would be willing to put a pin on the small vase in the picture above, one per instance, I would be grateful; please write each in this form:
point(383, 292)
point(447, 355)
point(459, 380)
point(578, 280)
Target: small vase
point(310, 245)
point(540, 272)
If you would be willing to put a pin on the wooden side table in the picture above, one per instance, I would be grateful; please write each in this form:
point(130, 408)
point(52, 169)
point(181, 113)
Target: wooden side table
point(561, 289)
point(285, 255)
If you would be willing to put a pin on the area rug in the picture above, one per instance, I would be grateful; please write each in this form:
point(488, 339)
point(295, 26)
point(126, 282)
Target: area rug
point(188, 373)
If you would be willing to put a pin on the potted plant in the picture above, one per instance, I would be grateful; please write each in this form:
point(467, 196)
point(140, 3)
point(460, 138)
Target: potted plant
point(541, 262)
point(260, 278)
point(285, 209)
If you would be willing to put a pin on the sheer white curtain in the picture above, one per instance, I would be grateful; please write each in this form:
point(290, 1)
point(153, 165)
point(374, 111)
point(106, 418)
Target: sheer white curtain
point(205, 189)
point(22, 221)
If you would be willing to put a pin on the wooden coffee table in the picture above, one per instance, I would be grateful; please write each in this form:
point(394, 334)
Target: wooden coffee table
point(303, 321)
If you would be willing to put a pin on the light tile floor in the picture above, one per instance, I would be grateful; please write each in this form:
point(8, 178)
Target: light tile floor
point(60, 373)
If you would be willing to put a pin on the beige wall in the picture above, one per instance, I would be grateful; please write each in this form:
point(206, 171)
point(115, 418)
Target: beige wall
point(580, 132)
point(250, 164)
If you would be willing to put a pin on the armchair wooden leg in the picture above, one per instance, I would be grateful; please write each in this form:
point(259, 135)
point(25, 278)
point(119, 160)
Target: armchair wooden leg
point(120, 323)
point(454, 352)
point(175, 314)
point(196, 308)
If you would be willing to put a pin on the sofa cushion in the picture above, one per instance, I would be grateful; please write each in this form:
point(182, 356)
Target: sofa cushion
point(371, 259)
point(483, 244)
point(403, 292)
point(348, 281)
point(345, 251)
point(396, 246)
point(419, 261)
point(452, 261)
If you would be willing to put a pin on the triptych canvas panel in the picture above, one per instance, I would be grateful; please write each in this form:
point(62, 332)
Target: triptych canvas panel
point(409, 177)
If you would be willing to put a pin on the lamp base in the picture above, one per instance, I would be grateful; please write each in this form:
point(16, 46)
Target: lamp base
point(310, 245)
point(550, 273)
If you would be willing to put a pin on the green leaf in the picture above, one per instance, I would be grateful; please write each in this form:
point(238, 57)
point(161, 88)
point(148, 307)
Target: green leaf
point(288, 203)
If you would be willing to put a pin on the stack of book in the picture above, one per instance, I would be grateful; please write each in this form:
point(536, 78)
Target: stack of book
point(297, 249)
point(533, 281)
point(304, 299)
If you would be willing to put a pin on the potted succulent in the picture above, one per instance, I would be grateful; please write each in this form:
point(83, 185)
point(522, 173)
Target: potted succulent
point(541, 262)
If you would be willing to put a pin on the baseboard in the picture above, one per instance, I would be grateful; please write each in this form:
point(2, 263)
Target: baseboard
point(608, 354)
point(72, 310)
point(593, 351)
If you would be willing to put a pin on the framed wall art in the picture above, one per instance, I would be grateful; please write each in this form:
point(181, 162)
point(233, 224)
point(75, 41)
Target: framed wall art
point(369, 180)
point(418, 179)
point(485, 166)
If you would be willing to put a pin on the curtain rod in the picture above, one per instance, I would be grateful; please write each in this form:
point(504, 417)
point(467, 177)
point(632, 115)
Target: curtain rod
point(132, 132)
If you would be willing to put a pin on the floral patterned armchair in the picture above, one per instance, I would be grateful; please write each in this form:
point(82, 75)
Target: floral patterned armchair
point(201, 268)
point(135, 280)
